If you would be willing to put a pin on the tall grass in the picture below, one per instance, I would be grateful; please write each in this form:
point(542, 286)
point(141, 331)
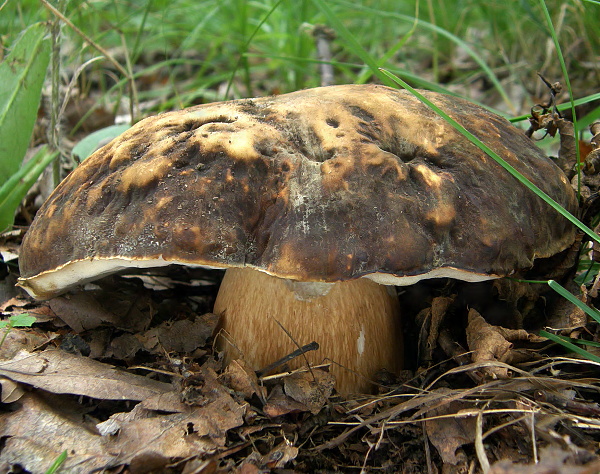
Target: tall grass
point(488, 50)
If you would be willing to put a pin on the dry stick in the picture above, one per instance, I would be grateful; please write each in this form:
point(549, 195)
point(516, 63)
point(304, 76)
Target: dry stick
point(72, 85)
point(430, 469)
point(105, 53)
point(313, 346)
point(433, 399)
point(323, 36)
point(479, 448)
point(298, 346)
point(134, 95)
point(533, 441)
point(53, 132)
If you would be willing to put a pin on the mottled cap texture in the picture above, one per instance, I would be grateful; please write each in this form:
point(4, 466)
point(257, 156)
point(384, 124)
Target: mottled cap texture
point(324, 184)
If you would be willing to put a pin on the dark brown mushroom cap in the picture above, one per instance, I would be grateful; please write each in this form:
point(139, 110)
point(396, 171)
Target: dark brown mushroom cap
point(324, 184)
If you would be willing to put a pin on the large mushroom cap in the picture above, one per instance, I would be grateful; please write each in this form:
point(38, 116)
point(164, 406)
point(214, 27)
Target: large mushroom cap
point(326, 184)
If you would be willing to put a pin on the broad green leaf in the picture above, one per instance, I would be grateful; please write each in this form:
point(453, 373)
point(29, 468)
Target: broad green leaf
point(23, 320)
point(22, 75)
point(14, 190)
point(94, 140)
point(18, 321)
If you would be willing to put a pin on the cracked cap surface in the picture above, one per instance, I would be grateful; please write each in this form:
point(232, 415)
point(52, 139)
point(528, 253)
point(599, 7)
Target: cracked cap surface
point(324, 184)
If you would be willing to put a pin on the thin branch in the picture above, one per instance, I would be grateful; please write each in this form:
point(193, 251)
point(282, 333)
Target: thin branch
point(99, 48)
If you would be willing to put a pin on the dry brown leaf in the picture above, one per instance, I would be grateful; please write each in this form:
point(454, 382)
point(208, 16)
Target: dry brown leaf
point(592, 160)
point(19, 339)
point(169, 402)
point(199, 430)
point(280, 455)
point(123, 347)
point(564, 314)
point(567, 151)
point(449, 434)
point(54, 433)
point(141, 438)
point(241, 378)
point(87, 310)
point(60, 372)
point(432, 318)
point(11, 391)
point(181, 336)
point(279, 404)
point(312, 389)
point(553, 460)
point(489, 343)
point(14, 303)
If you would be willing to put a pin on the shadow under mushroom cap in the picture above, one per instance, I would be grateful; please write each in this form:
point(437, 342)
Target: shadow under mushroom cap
point(324, 184)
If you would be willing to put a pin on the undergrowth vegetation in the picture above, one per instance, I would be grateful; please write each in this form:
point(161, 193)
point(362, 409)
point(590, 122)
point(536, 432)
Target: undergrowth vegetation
point(182, 51)
point(113, 62)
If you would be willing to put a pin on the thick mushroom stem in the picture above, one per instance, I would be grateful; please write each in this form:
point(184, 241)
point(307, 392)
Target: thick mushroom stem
point(356, 324)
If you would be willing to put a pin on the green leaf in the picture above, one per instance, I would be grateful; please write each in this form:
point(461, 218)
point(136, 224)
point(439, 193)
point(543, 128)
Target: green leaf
point(23, 320)
point(14, 190)
point(94, 140)
point(22, 75)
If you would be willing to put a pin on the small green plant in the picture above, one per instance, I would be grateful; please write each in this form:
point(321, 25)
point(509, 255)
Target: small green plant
point(57, 463)
point(22, 75)
point(23, 320)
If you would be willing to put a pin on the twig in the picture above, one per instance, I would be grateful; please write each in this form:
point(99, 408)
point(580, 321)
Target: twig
point(96, 46)
point(479, 448)
point(53, 132)
point(313, 346)
point(323, 36)
point(267, 378)
point(430, 469)
point(533, 441)
point(73, 84)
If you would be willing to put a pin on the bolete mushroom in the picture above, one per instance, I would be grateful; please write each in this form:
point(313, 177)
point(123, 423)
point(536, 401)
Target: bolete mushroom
point(314, 201)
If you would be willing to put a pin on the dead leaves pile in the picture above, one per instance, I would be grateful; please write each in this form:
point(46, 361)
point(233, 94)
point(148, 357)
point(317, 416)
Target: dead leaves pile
point(121, 385)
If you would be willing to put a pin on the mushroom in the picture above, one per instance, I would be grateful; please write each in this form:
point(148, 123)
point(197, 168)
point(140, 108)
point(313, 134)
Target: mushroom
point(317, 202)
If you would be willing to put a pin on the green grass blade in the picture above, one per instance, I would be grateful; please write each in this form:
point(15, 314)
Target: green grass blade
point(577, 102)
point(569, 345)
point(243, 59)
point(580, 342)
point(591, 312)
point(15, 189)
point(508, 167)
point(58, 462)
point(22, 75)
point(442, 32)
point(414, 78)
point(565, 74)
point(366, 75)
point(589, 118)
